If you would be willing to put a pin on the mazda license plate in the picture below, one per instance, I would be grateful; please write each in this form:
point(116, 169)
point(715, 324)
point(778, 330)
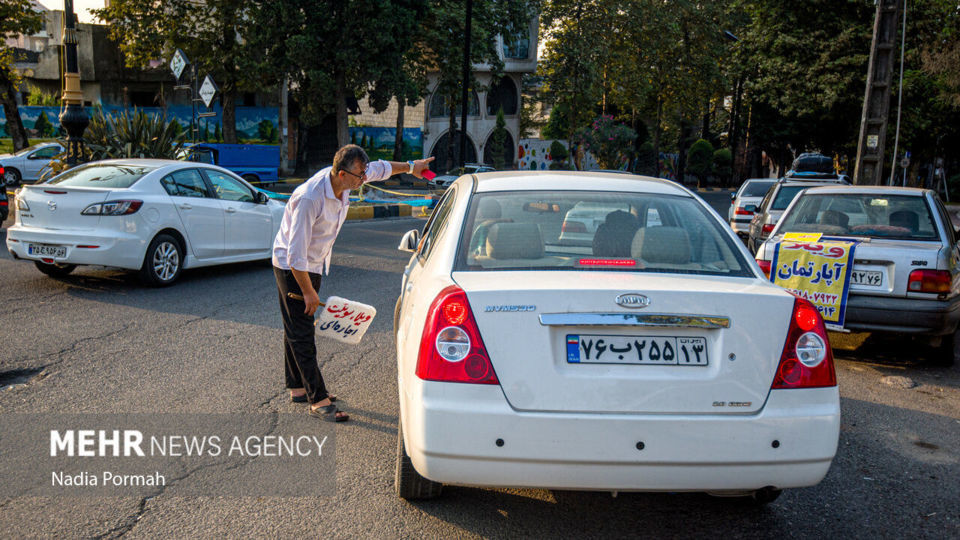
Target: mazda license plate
point(644, 350)
point(47, 250)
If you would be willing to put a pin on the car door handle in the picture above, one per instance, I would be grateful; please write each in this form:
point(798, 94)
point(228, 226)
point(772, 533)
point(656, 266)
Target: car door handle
point(230, 210)
point(186, 206)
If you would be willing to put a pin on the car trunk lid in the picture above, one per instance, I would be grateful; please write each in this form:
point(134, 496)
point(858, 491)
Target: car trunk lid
point(59, 208)
point(560, 349)
point(882, 267)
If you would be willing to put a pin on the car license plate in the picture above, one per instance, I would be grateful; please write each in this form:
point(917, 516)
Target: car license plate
point(644, 350)
point(870, 278)
point(47, 250)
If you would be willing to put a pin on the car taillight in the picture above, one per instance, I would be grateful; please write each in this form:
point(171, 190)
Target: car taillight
point(768, 228)
point(451, 349)
point(807, 360)
point(573, 227)
point(112, 208)
point(931, 281)
point(741, 212)
point(765, 266)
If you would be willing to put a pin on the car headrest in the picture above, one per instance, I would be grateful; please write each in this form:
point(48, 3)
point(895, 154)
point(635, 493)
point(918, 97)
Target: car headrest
point(489, 209)
point(907, 219)
point(515, 241)
point(833, 217)
point(668, 245)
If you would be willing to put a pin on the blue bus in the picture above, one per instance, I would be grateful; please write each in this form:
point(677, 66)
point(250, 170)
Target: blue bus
point(255, 163)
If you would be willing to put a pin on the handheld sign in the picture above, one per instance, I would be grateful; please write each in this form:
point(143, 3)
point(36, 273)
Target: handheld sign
point(345, 320)
point(428, 174)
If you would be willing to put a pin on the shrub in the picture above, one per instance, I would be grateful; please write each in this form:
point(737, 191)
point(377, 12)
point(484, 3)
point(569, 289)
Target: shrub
point(700, 160)
point(558, 153)
point(498, 139)
point(609, 142)
point(723, 165)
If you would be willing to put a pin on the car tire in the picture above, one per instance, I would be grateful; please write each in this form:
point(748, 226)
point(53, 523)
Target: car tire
point(948, 352)
point(163, 261)
point(55, 270)
point(408, 483)
point(12, 177)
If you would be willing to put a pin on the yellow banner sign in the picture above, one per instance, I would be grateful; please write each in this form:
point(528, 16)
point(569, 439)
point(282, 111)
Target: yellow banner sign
point(816, 271)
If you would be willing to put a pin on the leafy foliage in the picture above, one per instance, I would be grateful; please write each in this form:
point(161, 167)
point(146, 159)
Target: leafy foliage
point(43, 126)
point(700, 162)
point(498, 138)
point(723, 165)
point(16, 17)
point(609, 142)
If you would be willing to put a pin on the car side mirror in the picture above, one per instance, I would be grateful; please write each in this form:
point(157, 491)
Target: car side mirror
point(262, 197)
point(409, 241)
point(733, 196)
point(750, 208)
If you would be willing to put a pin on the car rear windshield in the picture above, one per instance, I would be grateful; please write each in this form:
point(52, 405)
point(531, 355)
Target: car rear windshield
point(756, 189)
point(785, 196)
point(877, 216)
point(584, 230)
point(102, 175)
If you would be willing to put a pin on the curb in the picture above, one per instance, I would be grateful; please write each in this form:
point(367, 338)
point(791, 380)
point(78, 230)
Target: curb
point(379, 211)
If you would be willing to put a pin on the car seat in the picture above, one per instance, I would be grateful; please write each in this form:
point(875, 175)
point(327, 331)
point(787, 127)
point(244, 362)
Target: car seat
point(514, 241)
point(665, 245)
point(488, 213)
point(907, 219)
point(615, 235)
point(834, 217)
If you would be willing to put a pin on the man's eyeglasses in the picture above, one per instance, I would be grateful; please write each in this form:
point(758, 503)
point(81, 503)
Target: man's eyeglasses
point(362, 175)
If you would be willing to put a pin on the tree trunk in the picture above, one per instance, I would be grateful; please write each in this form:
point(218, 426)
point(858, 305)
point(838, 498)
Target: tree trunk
point(453, 160)
point(656, 138)
point(398, 139)
point(340, 96)
point(302, 167)
point(14, 124)
point(229, 101)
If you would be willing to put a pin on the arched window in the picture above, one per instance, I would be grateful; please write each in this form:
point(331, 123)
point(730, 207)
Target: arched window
point(503, 93)
point(508, 151)
point(439, 109)
point(444, 160)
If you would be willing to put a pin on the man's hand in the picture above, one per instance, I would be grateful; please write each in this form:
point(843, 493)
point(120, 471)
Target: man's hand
point(420, 165)
point(312, 301)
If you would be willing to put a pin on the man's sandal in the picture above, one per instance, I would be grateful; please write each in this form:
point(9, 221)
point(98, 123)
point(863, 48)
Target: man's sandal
point(329, 413)
point(303, 398)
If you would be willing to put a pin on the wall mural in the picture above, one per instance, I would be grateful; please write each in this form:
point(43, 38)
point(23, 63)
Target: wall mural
point(379, 141)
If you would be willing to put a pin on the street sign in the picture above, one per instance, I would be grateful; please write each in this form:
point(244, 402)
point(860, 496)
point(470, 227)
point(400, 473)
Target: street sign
point(178, 63)
point(905, 162)
point(207, 90)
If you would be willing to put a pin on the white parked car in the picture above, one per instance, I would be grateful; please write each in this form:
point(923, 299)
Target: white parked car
point(671, 366)
point(29, 164)
point(745, 202)
point(155, 216)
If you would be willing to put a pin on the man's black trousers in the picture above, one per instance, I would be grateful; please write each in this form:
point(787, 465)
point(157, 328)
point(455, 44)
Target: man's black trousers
point(299, 344)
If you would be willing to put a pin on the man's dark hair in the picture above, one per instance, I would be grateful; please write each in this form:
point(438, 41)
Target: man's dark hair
point(347, 156)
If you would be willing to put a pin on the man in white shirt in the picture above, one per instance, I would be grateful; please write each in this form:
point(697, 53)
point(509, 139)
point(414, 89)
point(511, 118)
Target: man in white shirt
point(301, 253)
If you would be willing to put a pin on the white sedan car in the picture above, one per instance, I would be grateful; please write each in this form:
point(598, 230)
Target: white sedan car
point(29, 164)
point(661, 361)
point(155, 216)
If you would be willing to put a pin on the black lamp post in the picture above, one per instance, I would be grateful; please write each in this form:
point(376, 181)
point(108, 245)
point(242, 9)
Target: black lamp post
point(73, 118)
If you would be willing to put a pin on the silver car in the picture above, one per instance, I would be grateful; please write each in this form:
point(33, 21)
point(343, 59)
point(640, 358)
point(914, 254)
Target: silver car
point(27, 165)
point(746, 200)
point(776, 201)
point(905, 274)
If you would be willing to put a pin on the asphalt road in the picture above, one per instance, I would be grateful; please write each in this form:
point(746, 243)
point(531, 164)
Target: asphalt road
point(97, 341)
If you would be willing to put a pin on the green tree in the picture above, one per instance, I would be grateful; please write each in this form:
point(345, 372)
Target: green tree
point(723, 165)
point(16, 17)
point(215, 36)
point(267, 131)
point(558, 156)
point(610, 143)
point(42, 126)
point(498, 138)
point(701, 161)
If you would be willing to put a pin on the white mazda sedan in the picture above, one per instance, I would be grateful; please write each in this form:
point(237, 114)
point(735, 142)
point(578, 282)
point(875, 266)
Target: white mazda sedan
point(656, 358)
point(155, 216)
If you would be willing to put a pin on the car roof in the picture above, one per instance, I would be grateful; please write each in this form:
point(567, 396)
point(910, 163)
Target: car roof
point(575, 181)
point(868, 190)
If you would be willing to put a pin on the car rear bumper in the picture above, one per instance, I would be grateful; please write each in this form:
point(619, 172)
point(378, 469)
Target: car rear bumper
point(469, 435)
point(904, 315)
point(113, 248)
point(741, 227)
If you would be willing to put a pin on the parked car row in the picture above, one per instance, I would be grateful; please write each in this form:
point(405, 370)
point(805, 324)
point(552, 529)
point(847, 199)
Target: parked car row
point(29, 164)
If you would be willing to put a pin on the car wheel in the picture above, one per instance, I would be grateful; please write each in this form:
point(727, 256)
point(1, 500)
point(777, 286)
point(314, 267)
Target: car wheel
point(55, 270)
point(163, 262)
point(408, 482)
point(948, 352)
point(11, 177)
